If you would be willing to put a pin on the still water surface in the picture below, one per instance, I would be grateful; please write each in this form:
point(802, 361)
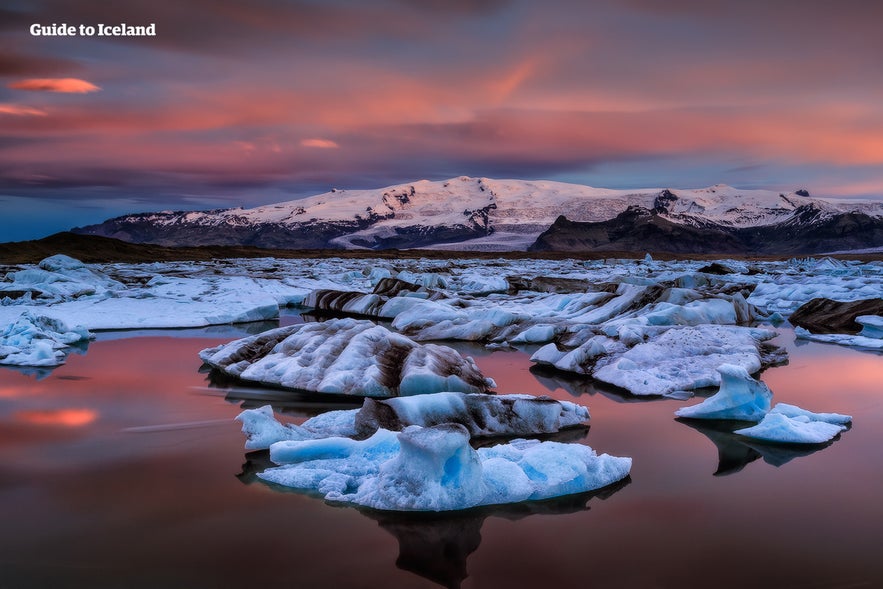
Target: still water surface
point(123, 469)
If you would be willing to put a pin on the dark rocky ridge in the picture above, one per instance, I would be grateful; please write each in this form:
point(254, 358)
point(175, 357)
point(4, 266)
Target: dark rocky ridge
point(823, 315)
point(640, 229)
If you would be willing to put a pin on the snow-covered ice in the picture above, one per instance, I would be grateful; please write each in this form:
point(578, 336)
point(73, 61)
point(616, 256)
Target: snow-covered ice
point(349, 357)
point(435, 469)
point(740, 398)
point(684, 358)
point(36, 340)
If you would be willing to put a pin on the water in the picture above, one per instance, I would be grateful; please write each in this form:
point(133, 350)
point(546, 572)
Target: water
point(123, 469)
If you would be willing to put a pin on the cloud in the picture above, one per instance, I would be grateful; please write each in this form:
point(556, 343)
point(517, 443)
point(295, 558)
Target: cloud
point(13, 63)
point(21, 110)
point(65, 85)
point(319, 143)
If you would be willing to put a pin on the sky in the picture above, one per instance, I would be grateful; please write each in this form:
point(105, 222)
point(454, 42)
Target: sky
point(244, 103)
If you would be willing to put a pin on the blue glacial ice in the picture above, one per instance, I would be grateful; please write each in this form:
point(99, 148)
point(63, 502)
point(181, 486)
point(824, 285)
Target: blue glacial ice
point(740, 397)
point(435, 469)
point(36, 340)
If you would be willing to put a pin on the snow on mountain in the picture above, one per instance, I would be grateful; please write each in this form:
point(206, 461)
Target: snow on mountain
point(481, 212)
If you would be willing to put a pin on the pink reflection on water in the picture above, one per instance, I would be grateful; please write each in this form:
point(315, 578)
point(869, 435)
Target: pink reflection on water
point(63, 417)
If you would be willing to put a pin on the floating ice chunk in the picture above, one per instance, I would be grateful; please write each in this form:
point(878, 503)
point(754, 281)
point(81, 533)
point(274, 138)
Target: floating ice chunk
point(61, 277)
point(779, 428)
point(481, 415)
point(37, 340)
point(740, 398)
point(857, 341)
point(536, 334)
point(262, 429)
point(346, 356)
point(482, 284)
point(796, 412)
point(872, 326)
point(580, 360)
point(435, 469)
point(424, 279)
point(684, 358)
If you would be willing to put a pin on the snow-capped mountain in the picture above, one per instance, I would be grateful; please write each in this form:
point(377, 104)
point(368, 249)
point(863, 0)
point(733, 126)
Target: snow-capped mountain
point(471, 214)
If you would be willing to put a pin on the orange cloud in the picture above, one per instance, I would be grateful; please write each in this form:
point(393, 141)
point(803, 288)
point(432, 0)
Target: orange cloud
point(64, 417)
point(21, 111)
point(319, 143)
point(66, 85)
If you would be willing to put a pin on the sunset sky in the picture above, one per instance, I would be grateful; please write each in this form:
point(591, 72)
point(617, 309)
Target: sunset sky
point(244, 103)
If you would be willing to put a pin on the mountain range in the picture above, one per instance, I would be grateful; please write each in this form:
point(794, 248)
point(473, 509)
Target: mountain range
point(482, 214)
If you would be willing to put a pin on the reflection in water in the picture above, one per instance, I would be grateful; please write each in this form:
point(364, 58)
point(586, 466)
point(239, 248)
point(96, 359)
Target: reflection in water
point(577, 385)
point(436, 546)
point(62, 417)
point(735, 451)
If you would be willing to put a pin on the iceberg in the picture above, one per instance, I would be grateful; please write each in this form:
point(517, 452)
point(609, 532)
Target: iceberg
point(795, 412)
point(685, 358)
point(872, 326)
point(37, 340)
point(841, 339)
point(60, 277)
point(779, 428)
point(740, 398)
point(481, 415)
point(435, 469)
point(347, 357)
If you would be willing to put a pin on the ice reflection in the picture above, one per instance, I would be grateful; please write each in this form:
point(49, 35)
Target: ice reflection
point(735, 451)
point(436, 546)
point(577, 386)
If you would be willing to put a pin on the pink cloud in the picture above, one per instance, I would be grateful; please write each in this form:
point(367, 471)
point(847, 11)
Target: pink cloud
point(65, 85)
point(320, 143)
point(21, 110)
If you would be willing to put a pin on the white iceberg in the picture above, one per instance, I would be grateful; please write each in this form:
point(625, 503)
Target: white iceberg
point(36, 340)
point(435, 469)
point(740, 398)
point(60, 277)
point(480, 414)
point(798, 413)
point(348, 357)
point(842, 339)
point(684, 358)
point(779, 428)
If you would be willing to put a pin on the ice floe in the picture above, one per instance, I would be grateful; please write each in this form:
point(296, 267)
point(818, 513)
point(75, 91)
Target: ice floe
point(480, 414)
point(856, 341)
point(348, 357)
point(740, 398)
point(435, 469)
point(36, 340)
point(779, 428)
point(670, 362)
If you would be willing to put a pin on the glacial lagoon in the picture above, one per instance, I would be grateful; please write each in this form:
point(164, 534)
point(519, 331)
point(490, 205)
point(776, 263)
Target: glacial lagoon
point(124, 467)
